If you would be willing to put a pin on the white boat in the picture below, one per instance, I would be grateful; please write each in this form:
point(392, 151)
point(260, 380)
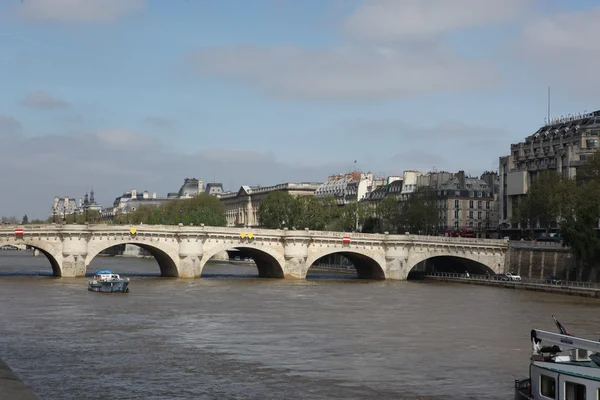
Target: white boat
point(107, 281)
point(573, 376)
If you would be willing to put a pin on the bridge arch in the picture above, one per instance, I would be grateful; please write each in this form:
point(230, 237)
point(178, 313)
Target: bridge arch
point(269, 262)
point(367, 266)
point(449, 262)
point(165, 256)
point(48, 249)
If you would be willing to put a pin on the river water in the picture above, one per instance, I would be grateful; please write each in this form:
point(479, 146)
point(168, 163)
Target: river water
point(231, 335)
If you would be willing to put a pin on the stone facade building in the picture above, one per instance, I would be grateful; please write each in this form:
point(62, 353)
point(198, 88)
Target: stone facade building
point(467, 203)
point(561, 145)
point(241, 207)
point(348, 188)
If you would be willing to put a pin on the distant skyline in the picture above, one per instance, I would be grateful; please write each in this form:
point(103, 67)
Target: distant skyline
point(140, 94)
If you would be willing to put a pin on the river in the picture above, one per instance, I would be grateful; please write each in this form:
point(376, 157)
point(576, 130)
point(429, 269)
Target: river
point(231, 335)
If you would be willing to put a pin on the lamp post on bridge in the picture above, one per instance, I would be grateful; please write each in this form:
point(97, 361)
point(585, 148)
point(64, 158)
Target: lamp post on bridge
point(180, 215)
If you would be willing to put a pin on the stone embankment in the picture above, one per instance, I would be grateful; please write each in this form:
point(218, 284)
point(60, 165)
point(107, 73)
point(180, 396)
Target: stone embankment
point(571, 288)
point(11, 387)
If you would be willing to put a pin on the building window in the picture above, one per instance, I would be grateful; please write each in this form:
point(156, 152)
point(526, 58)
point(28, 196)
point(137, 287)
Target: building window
point(456, 225)
point(470, 203)
point(457, 193)
point(478, 214)
point(548, 386)
point(456, 206)
point(487, 226)
point(470, 214)
point(574, 391)
point(487, 205)
point(479, 204)
point(487, 215)
point(455, 214)
point(471, 193)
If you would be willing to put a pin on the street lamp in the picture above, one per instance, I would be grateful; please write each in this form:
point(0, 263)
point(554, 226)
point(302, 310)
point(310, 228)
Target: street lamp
point(54, 214)
point(180, 214)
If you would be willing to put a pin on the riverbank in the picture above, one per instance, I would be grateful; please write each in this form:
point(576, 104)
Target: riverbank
point(11, 387)
point(569, 290)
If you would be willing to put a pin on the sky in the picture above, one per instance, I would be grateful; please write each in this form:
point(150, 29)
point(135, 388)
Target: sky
point(117, 95)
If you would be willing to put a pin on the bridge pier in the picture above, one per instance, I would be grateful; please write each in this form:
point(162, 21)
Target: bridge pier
point(72, 266)
point(295, 253)
point(189, 259)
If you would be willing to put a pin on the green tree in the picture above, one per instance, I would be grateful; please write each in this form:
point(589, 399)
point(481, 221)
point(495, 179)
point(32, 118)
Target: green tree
point(202, 209)
point(388, 212)
point(278, 210)
point(418, 213)
point(543, 202)
point(25, 220)
point(579, 228)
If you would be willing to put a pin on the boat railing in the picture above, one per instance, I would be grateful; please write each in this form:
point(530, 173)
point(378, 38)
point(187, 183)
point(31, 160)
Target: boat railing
point(545, 282)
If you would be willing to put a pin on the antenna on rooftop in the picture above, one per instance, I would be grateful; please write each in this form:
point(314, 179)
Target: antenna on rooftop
point(548, 120)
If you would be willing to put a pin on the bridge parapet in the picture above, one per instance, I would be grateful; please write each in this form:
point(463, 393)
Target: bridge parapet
point(182, 251)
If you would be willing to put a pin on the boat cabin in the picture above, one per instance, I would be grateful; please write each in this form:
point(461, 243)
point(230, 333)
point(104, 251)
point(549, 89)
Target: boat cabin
point(575, 376)
point(106, 275)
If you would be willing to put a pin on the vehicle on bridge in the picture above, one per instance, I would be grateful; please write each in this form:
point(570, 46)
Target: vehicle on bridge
point(575, 376)
point(107, 282)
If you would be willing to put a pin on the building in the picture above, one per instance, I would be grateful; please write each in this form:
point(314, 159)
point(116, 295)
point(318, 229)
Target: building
point(62, 207)
point(348, 188)
point(241, 207)
point(89, 203)
point(562, 145)
point(191, 187)
point(214, 189)
point(131, 200)
point(467, 203)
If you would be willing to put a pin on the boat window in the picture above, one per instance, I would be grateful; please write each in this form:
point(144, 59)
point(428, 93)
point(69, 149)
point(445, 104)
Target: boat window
point(574, 391)
point(548, 386)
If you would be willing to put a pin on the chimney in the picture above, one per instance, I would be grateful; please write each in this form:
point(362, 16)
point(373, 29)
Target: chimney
point(461, 179)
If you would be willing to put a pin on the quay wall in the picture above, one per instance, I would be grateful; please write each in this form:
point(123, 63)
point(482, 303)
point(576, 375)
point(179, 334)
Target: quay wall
point(582, 291)
point(11, 387)
point(537, 260)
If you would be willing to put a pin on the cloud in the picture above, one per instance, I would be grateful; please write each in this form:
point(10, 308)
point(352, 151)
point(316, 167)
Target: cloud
point(393, 20)
point(391, 49)
point(9, 126)
point(114, 161)
point(43, 101)
point(563, 49)
point(448, 145)
point(420, 160)
point(159, 122)
point(351, 72)
point(445, 131)
point(78, 10)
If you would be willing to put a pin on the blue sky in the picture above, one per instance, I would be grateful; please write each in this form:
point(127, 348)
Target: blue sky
point(124, 94)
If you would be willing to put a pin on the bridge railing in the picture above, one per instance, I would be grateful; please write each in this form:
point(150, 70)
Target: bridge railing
point(544, 282)
point(256, 231)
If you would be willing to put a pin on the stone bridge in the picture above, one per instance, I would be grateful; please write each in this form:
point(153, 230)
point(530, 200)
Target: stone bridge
point(183, 251)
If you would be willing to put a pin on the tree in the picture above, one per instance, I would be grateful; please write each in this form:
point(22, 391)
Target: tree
point(418, 214)
point(202, 209)
point(25, 220)
point(388, 212)
point(543, 200)
point(278, 210)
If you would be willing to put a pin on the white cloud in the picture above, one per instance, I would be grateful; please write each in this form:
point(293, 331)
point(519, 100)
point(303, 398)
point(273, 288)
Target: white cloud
point(564, 50)
point(9, 126)
point(43, 101)
point(352, 72)
point(117, 160)
point(392, 20)
point(446, 131)
point(78, 10)
point(393, 49)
